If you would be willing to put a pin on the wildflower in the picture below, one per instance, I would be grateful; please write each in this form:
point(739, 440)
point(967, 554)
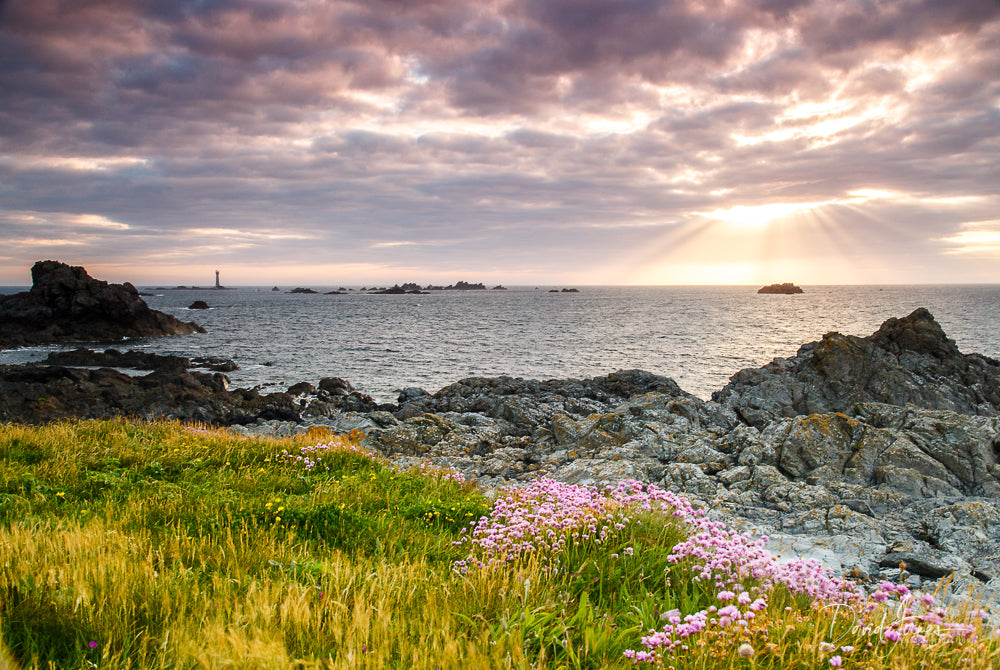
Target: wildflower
point(893, 635)
point(745, 650)
point(92, 644)
point(826, 647)
point(836, 661)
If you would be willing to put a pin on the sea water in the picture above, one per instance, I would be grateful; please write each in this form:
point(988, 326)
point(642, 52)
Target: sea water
point(699, 336)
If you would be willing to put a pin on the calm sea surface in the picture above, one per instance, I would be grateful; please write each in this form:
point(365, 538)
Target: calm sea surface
point(699, 336)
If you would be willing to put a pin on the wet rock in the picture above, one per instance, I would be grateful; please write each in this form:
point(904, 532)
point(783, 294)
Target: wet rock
point(411, 393)
point(335, 386)
point(302, 388)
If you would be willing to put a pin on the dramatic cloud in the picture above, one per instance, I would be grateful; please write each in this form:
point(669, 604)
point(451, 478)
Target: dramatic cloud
point(522, 141)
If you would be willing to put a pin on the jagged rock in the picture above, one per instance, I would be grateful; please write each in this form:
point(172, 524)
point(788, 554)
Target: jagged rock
point(907, 361)
point(65, 304)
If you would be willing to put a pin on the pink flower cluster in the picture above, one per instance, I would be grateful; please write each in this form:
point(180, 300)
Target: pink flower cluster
point(311, 457)
point(546, 515)
point(674, 634)
point(725, 559)
point(914, 617)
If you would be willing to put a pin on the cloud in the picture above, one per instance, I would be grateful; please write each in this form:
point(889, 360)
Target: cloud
point(440, 133)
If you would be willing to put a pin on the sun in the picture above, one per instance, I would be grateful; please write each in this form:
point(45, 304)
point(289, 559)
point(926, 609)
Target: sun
point(758, 216)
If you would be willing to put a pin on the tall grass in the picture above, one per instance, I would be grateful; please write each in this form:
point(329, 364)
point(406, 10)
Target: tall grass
point(158, 545)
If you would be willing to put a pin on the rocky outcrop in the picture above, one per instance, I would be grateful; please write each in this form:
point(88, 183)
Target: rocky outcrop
point(65, 304)
point(136, 360)
point(907, 361)
point(43, 393)
point(787, 288)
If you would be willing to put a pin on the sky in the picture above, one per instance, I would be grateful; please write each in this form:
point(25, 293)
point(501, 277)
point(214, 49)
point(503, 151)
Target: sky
point(502, 141)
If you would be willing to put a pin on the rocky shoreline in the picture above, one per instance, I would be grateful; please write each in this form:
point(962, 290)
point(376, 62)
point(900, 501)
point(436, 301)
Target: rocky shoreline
point(878, 455)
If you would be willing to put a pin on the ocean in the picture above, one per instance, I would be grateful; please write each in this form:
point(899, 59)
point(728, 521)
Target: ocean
point(699, 336)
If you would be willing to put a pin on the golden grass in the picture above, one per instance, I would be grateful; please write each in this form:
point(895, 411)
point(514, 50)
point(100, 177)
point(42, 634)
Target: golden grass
point(155, 545)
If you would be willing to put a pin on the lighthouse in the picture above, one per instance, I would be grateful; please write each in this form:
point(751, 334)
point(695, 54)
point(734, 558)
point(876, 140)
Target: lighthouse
point(217, 284)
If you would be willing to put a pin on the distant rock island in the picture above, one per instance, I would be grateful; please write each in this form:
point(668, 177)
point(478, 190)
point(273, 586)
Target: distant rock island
point(787, 288)
point(217, 287)
point(65, 304)
point(416, 289)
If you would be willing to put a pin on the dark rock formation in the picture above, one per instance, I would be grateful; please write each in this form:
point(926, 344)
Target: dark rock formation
point(38, 394)
point(399, 290)
point(136, 360)
point(198, 304)
point(302, 388)
point(787, 288)
point(65, 304)
point(908, 361)
point(300, 289)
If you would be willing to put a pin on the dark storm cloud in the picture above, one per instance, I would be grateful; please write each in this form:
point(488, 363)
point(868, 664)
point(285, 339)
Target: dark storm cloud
point(415, 126)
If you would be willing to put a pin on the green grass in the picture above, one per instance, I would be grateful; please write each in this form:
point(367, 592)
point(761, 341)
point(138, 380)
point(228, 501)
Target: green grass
point(158, 545)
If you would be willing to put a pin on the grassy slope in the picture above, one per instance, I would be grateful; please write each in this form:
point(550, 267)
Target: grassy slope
point(155, 545)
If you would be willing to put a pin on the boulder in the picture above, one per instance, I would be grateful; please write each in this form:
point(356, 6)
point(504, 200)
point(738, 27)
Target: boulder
point(65, 304)
point(198, 304)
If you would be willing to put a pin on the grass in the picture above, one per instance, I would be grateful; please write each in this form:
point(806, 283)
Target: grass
point(159, 545)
